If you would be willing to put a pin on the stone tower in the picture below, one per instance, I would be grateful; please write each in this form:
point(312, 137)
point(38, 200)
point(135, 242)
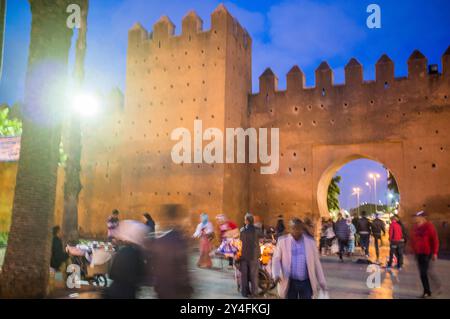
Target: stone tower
point(171, 81)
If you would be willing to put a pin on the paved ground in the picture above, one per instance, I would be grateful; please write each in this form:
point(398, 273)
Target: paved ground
point(345, 280)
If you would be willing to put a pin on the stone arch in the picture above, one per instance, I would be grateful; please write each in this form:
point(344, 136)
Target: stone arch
point(330, 158)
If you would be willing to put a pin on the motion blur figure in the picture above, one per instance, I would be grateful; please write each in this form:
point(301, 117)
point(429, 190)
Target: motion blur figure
point(205, 232)
point(170, 258)
point(127, 269)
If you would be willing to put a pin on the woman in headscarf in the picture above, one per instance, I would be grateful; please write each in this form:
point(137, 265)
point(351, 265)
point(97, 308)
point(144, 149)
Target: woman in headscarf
point(204, 231)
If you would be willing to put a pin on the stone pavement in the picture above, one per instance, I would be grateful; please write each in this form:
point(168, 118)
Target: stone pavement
point(345, 281)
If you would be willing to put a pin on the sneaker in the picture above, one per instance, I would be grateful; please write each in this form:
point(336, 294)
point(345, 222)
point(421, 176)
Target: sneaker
point(426, 296)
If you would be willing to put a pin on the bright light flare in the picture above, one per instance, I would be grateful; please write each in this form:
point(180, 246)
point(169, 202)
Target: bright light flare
point(87, 105)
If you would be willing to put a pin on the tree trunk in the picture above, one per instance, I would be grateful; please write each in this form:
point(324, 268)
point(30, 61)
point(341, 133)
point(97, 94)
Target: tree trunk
point(27, 261)
point(72, 185)
point(2, 32)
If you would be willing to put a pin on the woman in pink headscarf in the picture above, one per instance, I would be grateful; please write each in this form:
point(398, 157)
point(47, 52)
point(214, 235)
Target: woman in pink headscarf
point(204, 231)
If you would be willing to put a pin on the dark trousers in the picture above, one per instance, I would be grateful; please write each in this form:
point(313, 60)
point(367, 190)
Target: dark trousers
point(343, 243)
point(396, 248)
point(299, 289)
point(423, 262)
point(249, 273)
point(377, 239)
point(365, 240)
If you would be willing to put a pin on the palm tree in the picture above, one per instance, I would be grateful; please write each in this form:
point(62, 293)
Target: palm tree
point(333, 194)
point(2, 31)
point(72, 185)
point(26, 268)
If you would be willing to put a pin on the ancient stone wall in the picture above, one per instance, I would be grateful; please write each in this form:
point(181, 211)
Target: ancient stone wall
point(404, 123)
point(172, 80)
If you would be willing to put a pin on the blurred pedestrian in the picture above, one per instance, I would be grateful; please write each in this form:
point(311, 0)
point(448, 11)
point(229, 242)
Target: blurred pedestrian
point(280, 228)
point(351, 238)
point(425, 244)
point(396, 243)
point(58, 258)
point(342, 231)
point(228, 230)
point(363, 229)
point(249, 260)
point(296, 264)
point(170, 258)
point(204, 231)
point(378, 230)
point(309, 226)
point(127, 268)
point(148, 220)
point(112, 223)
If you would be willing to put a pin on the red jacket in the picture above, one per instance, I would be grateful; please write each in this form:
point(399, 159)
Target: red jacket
point(424, 239)
point(395, 231)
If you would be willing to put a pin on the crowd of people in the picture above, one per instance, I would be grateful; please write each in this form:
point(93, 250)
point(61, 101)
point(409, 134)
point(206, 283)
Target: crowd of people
point(295, 266)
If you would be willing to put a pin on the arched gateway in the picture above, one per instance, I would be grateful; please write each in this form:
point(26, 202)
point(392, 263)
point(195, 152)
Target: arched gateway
point(403, 123)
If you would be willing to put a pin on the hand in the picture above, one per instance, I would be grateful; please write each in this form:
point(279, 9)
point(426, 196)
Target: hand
point(434, 257)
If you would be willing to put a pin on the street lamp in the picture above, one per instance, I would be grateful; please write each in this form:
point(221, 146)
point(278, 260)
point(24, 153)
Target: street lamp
point(85, 104)
point(357, 191)
point(375, 176)
point(370, 190)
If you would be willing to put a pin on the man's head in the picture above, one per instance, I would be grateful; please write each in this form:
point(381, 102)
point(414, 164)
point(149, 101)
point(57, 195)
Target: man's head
point(115, 213)
point(364, 213)
point(297, 228)
point(249, 219)
point(420, 217)
point(56, 231)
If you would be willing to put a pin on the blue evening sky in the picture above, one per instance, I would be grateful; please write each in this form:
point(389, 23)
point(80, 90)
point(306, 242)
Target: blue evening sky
point(284, 32)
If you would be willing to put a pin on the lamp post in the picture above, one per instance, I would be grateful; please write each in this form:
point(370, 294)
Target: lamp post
point(370, 190)
point(357, 191)
point(374, 177)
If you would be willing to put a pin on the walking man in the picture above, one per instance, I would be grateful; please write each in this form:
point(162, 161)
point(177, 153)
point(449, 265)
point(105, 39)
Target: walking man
point(397, 242)
point(296, 264)
point(342, 231)
point(249, 258)
point(364, 228)
point(378, 229)
point(425, 244)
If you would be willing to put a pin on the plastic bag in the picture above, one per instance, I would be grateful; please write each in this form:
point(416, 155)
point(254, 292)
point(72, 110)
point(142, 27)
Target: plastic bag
point(323, 294)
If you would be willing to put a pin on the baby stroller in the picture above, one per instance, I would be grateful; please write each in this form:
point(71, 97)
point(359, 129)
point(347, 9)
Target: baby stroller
point(93, 263)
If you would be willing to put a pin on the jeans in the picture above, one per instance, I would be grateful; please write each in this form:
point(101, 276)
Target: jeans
point(396, 248)
point(299, 289)
point(365, 240)
point(423, 262)
point(343, 243)
point(249, 273)
point(377, 238)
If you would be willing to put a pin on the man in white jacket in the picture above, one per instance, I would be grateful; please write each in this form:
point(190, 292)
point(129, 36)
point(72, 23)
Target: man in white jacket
point(296, 265)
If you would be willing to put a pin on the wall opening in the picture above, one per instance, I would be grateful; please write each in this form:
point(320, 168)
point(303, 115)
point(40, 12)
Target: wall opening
point(355, 184)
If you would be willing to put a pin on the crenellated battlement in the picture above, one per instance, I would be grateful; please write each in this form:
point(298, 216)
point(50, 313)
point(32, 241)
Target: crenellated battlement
point(163, 31)
point(384, 77)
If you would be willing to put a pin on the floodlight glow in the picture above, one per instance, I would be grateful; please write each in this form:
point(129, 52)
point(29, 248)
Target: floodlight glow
point(85, 104)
